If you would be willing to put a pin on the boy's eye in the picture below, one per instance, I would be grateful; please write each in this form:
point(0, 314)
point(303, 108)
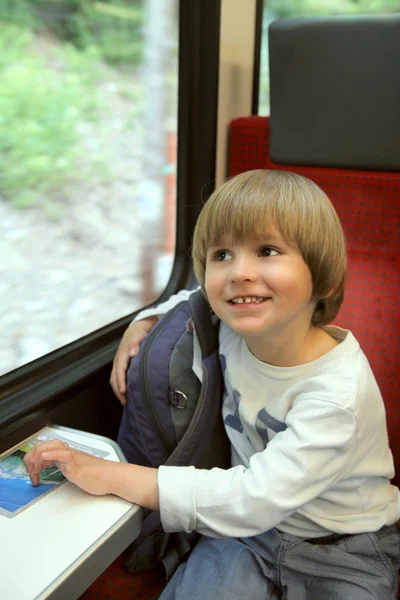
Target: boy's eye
point(221, 255)
point(268, 251)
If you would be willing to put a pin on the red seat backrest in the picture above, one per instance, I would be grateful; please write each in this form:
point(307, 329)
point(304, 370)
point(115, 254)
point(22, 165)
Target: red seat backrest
point(368, 204)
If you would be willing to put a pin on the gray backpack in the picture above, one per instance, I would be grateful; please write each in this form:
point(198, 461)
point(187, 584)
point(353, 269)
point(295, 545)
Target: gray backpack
point(170, 418)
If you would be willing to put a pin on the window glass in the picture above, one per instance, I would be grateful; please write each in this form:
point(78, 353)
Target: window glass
point(88, 126)
point(277, 9)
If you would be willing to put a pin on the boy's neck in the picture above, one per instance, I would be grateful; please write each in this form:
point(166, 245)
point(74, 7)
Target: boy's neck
point(291, 350)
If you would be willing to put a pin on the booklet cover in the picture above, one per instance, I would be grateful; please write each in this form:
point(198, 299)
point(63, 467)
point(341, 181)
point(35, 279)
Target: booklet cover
point(16, 489)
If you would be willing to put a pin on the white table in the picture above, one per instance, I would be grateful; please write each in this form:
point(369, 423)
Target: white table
point(57, 546)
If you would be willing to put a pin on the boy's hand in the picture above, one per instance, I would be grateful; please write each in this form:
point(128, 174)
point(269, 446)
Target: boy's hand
point(89, 473)
point(128, 348)
point(95, 475)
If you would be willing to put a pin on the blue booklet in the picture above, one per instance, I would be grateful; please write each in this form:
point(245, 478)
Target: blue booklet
point(16, 489)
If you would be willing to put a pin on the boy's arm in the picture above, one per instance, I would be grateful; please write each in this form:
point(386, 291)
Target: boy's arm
point(298, 465)
point(132, 338)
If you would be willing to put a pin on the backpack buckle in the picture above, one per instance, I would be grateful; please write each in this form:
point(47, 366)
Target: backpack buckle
point(178, 399)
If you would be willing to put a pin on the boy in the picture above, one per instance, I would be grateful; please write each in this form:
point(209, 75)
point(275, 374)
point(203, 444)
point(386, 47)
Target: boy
point(307, 507)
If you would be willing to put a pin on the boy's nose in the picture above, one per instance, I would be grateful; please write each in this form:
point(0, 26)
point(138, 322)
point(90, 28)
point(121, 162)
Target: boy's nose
point(243, 270)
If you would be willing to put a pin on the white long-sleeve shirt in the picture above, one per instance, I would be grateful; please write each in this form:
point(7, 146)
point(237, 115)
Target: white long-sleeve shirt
point(310, 452)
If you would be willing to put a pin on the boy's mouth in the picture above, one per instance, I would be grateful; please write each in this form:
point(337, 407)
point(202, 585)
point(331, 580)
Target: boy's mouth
point(248, 300)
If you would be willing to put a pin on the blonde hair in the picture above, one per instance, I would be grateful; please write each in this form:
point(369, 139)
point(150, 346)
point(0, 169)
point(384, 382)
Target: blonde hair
point(247, 204)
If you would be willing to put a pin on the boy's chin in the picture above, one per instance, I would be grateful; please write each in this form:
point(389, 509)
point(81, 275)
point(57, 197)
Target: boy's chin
point(247, 329)
point(243, 325)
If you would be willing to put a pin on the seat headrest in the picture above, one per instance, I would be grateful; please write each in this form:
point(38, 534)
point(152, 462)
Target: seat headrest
point(335, 91)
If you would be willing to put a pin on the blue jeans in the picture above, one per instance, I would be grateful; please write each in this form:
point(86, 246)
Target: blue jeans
point(277, 565)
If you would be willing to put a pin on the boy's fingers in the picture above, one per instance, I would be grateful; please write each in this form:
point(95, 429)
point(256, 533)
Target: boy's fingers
point(41, 464)
point(134, 345)
point(120, 373)
point(120, 394)
point(35, 454)
point(121, 397)
point(41, 447)
point(121, 367)
point(34, 477)
point(30, 464)
point(35, 467)
point(65, 457)
point(115, 388)
point(35, 471)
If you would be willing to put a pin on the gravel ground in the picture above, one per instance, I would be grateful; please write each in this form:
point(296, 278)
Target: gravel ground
point(62, 280)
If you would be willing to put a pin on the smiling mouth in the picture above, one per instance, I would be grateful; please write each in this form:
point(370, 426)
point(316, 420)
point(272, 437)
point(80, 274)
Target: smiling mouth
point(248, 300)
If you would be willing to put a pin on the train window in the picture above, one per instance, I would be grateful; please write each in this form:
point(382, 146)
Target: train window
point(88, 136)
point(276, 9)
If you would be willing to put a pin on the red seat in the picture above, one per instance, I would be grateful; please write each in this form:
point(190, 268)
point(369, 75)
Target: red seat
point(117, 584)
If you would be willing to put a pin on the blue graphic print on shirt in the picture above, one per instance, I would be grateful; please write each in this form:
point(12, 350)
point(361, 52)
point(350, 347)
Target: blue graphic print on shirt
point(231, 420)
point(264, 422)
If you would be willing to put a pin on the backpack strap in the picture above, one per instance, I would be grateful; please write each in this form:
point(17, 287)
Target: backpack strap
point(206, 331)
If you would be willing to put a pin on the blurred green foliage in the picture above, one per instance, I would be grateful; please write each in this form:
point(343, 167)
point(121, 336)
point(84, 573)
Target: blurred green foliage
point(114, 27)
point(45, 99)
point(40, 109)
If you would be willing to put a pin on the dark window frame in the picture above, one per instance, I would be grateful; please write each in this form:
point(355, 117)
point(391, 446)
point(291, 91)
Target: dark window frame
point(257, 56)
point(41, 384)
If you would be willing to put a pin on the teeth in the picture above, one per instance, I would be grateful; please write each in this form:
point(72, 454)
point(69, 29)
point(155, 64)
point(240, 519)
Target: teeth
point(248, 300)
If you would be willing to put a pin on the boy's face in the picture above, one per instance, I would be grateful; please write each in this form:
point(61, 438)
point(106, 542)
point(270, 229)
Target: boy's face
point(260, 287)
